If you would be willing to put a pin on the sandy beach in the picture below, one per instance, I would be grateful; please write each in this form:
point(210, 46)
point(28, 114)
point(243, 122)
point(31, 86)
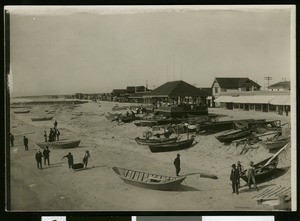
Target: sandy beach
point(56, 188)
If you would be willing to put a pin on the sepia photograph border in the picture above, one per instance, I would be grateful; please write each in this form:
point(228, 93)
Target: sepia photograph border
point(294, 153)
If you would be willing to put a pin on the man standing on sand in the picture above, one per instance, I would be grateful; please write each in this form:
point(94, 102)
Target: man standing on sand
point(251, 175)
point(177, 164)
point(38, 158)
point(234, 178)
point(70, 160)
point(57, 134)
point(86, 158)
point(25, 141)
point(46, 154)
point(45, 136)
point(11, 138)
point(240, 168)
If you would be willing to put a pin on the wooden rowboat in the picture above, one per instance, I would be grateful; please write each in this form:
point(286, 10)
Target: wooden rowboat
point(148, 180)
point(262, 171)
point(22, 111)
point(59, 144)
point(275, 143)
point(142, 141)
point(41, 118)
point(179, 145)
point(236, 135)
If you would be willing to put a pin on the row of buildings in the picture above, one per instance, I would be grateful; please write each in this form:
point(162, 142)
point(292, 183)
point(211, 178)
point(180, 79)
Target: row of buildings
point(230, 93)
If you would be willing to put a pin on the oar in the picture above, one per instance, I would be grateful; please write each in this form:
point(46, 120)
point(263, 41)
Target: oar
point(276, 154)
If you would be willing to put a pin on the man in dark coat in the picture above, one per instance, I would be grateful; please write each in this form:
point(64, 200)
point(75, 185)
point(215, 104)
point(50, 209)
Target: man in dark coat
point(235, 177)
point(25, 141)
point(11, 138)
point(46, 154)
point(70, 160)
point(177, 164)
point(38, 158)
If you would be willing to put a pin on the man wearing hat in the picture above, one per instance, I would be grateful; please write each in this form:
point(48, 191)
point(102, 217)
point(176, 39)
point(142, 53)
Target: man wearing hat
point(240, 168)
point(235, 177)
point(251, 175)
point(177, 164)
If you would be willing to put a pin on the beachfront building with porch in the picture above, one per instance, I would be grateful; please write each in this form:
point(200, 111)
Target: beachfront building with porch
point(177, 98)
point(224, 84)
point(263, 101)
point(280, 86)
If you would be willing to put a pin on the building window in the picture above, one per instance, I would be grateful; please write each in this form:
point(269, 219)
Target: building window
point(216, 90)
point(272, 107)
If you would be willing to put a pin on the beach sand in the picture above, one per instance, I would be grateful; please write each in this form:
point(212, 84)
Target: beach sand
point(98, 188)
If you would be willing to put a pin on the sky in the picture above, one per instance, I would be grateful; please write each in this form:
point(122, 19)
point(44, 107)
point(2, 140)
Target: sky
point(96, 50)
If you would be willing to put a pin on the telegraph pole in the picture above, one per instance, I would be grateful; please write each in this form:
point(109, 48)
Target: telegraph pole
point(268, 79)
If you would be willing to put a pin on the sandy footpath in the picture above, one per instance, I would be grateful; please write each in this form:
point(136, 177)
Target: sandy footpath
point(99, 189)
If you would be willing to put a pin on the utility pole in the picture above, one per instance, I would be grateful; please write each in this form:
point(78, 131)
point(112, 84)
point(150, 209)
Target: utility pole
point(268, 79)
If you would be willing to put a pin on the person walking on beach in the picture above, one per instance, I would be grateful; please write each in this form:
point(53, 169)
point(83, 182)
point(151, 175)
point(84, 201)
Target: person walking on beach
point(11, 138)
point(57, 134)
point(240, 168)
point(251, 175)
point(38, 158)
point(235, 179)
point(45, 135)
point(86, 158)
point(25, 141)
point(70, 160)
point(46, 154)
point(177, 164)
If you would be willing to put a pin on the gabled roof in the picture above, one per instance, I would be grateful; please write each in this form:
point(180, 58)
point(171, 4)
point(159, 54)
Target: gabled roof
point(176, 89)
point(118, 91)
point(235, 82)
point(283, 84)
point(207, 90)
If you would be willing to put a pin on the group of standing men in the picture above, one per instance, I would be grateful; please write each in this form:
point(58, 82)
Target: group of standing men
point(236, 173)
point(39, 155)
point(53, 134)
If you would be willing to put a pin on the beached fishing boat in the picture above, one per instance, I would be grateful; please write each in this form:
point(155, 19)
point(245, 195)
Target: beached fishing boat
point(22, 111)
point(59, 144)
point(148, 180)
point(263, 169)
point(147, 123)
point(41, 118)
point(218, 126)
point(142, 141)
point(178, 145)
point(111, 116)
point(275, 143)
point(236, 135)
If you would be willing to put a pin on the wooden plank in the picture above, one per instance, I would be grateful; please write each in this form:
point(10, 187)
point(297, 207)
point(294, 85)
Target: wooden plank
point(127, 173)
point(272, 190)
point(133, 175)
point(262, 193)
point(276, 191)
point(283, 192)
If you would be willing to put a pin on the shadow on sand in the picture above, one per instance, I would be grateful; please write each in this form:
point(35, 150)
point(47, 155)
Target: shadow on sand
point(51, 166)
point(88, 168)
point(260, 187)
